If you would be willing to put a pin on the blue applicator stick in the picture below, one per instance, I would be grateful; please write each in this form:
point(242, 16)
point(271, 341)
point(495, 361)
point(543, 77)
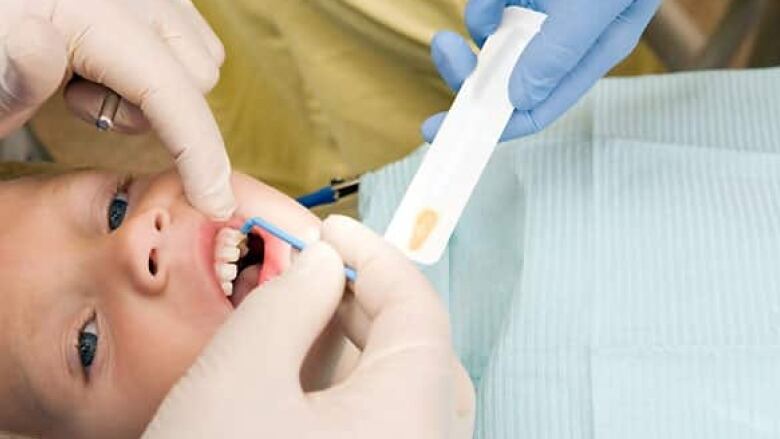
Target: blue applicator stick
point(294, 242)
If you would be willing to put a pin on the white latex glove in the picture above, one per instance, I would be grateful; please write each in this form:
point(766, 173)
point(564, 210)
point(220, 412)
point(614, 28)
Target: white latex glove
point(406, 384)
point(160, 55)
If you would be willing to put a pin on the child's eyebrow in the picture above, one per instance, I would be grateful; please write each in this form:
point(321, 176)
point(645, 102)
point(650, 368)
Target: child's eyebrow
point(42, 365)
point(88, 196)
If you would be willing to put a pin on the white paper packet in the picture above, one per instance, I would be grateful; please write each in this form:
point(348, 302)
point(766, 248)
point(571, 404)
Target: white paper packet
point(438, 193)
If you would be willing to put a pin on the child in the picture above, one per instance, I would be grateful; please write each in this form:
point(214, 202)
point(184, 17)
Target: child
point(111, 286)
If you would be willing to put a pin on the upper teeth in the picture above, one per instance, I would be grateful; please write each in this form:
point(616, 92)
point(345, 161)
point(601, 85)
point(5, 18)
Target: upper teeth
point(227, 250)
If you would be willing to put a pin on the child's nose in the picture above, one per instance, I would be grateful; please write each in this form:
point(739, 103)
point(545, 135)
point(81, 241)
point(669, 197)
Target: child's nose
point(143, 245)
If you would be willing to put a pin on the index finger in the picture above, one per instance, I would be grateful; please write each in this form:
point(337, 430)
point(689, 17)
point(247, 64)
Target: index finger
point(110, 47)
point(483, 18)
point(401, 304)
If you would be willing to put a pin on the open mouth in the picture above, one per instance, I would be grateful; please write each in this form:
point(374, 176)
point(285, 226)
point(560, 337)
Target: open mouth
point(242, 263)
point(239, 262)
point(249, 268)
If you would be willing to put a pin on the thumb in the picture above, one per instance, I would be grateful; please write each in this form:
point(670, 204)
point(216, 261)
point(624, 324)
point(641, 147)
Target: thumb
point(253, 362)
point(274, 328)
point(33, 62)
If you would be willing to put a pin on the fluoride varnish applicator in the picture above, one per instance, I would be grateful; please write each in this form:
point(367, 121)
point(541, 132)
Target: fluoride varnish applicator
point(294, 242)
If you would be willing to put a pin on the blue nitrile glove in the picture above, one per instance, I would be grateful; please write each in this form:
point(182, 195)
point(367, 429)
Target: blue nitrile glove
point(578, 44)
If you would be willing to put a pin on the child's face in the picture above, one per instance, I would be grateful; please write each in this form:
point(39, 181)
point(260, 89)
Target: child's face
point(138, 302)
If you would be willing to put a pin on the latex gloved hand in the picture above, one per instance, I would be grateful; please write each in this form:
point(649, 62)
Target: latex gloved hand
point(577, 45)
point(160, 55)
point(407, 382)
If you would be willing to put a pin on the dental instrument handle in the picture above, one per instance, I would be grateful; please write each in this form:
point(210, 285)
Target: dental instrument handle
point(294, 242)
point(325, 195)
point(336, 190)
point(108, 110)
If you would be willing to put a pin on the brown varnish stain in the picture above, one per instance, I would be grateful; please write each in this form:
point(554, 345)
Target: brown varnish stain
point(423, 226)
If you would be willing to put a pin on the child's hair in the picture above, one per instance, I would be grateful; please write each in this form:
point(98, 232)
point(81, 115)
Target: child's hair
point(14, 170)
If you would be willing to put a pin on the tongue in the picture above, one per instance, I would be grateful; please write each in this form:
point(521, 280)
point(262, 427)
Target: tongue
point(276, 258)
point(246, 281)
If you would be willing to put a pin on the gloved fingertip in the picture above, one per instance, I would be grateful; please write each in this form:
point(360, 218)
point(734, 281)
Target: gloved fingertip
point(446, 38)
point(311, 235)
point(521, 124)
point(317, 250)
point(483, 18)
point(319, 267)
point(519, 94)
point(225, 208)
point(439, 49)
point(216, 50)
point(207, 77)
point(453, 58)
point(486, 31)
point(337, 228)
point(318, 256)
point(219, 204)
point(431, 126)
point(353, 241)
point(526, 90)
point(339, 223)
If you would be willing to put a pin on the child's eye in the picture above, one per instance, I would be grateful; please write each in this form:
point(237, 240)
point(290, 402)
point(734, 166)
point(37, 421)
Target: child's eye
point(87, 344)
point(117, 207)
